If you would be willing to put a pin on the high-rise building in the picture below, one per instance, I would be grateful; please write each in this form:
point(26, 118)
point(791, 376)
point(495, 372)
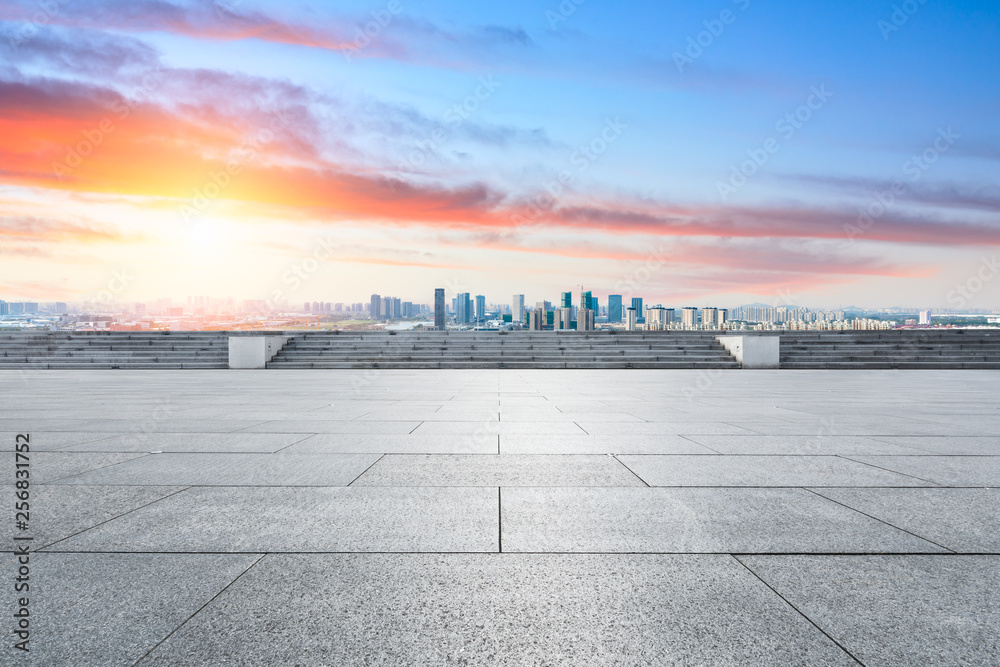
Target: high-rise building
point(640, 314)
point(656, 318)
point(480, 308)
point(463, 308)
point(517, 310)
point(585, 319)
point(4, 309)
point(615, 308)
point(585, 298)
point(564, 321)
point(567, 300)
point(709, 318)
point(630, 319)
point(16, 308)
point(536, 318)
point(439, 309)
point(375, 310)
point(689, 318)
point(925, 317)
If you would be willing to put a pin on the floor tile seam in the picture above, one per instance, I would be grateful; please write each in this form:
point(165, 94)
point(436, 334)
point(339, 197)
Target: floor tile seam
point(366, 470)
point(553, 552)
point(888, 523)
point(197, 611)
point(307, 437)
point(134, 509)
point(797, 610)
point(55, 481)
point(847, 457)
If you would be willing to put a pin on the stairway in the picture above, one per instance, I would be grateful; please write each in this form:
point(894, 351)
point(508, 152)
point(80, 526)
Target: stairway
point(907, 348)
point(492, 349)
point(113, 349)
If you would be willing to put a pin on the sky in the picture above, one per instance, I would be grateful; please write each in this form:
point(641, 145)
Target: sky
point(713, 153)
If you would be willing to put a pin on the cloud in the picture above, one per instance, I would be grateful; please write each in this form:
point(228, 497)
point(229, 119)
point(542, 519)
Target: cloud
point(21, 229)
point(983, 198)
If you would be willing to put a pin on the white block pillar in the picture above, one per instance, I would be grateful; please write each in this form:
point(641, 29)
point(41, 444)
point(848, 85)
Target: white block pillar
point(254, 351)
point(753, 351)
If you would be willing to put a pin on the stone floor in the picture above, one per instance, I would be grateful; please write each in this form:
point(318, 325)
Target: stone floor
point(507, 517)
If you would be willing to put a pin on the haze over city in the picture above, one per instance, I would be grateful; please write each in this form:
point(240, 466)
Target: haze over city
point(248, 148)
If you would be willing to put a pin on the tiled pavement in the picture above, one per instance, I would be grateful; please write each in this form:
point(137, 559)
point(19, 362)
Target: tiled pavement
point(508, 517)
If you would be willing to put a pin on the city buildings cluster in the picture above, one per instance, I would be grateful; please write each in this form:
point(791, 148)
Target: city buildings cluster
point(464, 310)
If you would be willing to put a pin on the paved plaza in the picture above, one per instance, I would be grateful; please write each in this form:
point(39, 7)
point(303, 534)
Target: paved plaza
point(522, 517)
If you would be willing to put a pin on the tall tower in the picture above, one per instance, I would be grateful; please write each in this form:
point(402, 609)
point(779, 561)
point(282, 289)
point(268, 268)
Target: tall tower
point(517, 310)
point(439, 309)
point(614, 308)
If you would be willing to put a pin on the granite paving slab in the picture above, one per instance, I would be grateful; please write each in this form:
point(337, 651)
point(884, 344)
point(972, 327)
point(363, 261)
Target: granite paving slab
point(944, 470)
point(766, 471)
point(58, 511)
point(896, 610)
point(232, 470)
point(712, 520)
point(192, 442)
point(391, 609)
point(964, 520)
point(497, 470)
point(111, 609)
point(274, 519)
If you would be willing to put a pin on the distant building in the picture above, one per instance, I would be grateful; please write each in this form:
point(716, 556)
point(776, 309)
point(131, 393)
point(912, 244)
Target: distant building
point(615, 308)
point(463, 308)
point(925, 317)
point(565, 320)
point(585, 319)
point(567, 300)
point(630, 319)
point(536, 319)
point(375, 310)
point(439, 309)
point(637, 305)
point(4, 308)
point(480, 308)
point(689, 318)
point(517, 310)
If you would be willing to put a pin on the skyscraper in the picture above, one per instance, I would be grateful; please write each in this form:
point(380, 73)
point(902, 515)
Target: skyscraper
point(375, 309)
point(480, 308)
point(439, 309)
point(567, 300)
point(585, 298)
point(463, 308)
point(517, 310)
point(630, 320)
point(640, 314)
point(689, 318)
point(614, 308)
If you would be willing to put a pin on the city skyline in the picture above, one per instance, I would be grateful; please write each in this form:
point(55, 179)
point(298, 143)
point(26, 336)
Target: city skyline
point(723, 154)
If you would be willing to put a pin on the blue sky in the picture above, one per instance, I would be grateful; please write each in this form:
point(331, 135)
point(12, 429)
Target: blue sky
point(649, 134)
